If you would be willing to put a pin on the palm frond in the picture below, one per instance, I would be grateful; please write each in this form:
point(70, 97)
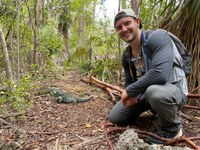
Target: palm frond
point(186, 25)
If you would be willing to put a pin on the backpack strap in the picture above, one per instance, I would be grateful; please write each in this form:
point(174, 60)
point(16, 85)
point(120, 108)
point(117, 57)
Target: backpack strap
point(132, 69)
point(146, 51)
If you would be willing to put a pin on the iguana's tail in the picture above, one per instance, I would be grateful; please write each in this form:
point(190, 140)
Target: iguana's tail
point(84, 99)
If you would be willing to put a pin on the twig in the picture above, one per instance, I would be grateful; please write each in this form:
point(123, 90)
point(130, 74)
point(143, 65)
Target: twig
point(11, 115)
point(183, 139)
point(117, 94)
point(5, 122)
point(192, 107)
point(43, 133)
point(193, 96)
point(80, 137)
point(9, 124)
point(129, 100)
point(194, 138)
point(107, 124)
point(195, 89)
point(51, 139)
point(186, 116)
point(11, 144)
point(109, 131)
point(110, 91)
point(152, 135)
point(76, 147)
point(20, 147)
point(57, 143)
point(105, 99)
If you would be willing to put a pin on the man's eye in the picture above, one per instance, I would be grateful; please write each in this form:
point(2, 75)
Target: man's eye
point(118, 28)
point(127, 23)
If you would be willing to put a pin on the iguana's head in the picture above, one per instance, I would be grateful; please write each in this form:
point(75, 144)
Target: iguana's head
point(54, 91)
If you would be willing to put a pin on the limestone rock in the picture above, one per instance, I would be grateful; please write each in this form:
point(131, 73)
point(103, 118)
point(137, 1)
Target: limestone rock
point(129, 141)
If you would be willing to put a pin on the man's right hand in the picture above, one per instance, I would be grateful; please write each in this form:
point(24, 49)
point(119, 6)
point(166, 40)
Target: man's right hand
point(127, 101)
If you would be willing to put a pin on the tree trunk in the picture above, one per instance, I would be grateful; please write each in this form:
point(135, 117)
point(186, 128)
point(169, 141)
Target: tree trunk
point(66, 37)
point(81, 30)
point(119, 48)
point(6, 56)
point(135, 7)
point(18, 40)
point(38, 20)
point(92, 32)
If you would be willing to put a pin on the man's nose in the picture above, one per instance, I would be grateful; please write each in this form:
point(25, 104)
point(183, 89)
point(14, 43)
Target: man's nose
point(124, 28)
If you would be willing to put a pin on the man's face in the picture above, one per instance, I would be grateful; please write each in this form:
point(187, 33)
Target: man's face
point(127, 28)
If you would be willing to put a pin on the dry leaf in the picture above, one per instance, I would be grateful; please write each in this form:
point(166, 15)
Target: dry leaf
point(97, 130)
point(87, 125)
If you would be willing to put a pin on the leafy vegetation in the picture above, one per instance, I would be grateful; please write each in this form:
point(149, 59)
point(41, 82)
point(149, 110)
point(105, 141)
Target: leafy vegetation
point(16, 97)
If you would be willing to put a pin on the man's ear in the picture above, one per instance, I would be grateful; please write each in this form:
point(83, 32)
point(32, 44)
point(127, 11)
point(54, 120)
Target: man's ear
point(138, 21)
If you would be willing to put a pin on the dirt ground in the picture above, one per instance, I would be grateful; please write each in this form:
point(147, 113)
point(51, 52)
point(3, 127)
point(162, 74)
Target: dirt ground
point(53, 126)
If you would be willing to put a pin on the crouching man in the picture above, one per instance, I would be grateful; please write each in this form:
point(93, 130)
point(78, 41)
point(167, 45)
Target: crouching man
point(152, 80)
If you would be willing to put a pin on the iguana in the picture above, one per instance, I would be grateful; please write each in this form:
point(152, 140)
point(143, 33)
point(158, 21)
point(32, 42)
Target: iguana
point(67, 97)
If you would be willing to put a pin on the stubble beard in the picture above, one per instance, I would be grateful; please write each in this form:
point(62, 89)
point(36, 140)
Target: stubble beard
point(132, 39)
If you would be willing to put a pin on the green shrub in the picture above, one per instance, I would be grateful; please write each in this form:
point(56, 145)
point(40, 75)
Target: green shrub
point(16, 97)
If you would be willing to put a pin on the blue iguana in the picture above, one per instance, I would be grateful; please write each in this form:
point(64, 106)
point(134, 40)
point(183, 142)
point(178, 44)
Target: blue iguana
point(67, 97)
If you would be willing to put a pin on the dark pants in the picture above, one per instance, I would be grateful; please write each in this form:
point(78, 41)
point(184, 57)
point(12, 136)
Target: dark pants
point(165, 100)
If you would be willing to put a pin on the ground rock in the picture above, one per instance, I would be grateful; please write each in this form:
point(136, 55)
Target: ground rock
point(129, 141)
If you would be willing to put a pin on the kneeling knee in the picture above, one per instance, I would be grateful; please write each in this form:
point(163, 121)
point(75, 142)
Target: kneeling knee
point(154, 91)
point(117, 120)
point(154, 95)
point(114, 119)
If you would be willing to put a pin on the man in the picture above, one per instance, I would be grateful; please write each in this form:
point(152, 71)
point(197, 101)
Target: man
point(152, 80)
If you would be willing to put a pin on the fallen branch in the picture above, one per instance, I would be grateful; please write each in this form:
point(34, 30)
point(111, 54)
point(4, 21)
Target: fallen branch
point(106, 84)
point(192, 107)
point(193, 96)
point(129, 101)
point(120, 90)
point(109, 90)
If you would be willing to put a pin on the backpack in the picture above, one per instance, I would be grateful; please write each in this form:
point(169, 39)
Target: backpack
point(180, 47)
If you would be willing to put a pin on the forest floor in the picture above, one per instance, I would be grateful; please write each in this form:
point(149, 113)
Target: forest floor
point(54, 126)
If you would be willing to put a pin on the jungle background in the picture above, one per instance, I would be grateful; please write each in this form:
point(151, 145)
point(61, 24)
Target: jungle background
point(48, 43)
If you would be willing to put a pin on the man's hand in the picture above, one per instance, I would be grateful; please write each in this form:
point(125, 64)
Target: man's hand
point(127, 101)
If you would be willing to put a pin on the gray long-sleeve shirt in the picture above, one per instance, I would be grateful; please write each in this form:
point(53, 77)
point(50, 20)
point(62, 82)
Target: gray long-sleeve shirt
point(161, 59)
